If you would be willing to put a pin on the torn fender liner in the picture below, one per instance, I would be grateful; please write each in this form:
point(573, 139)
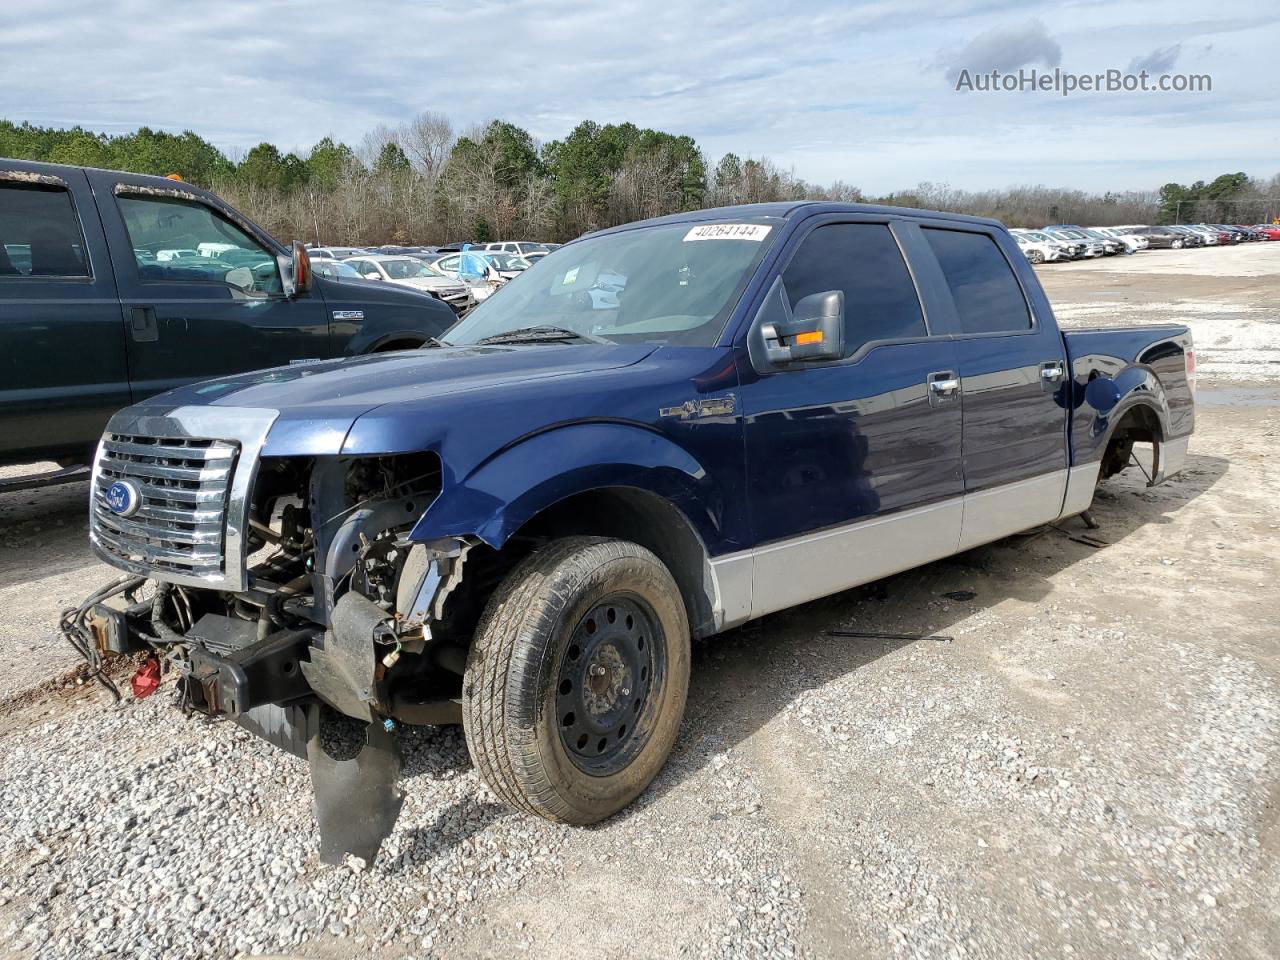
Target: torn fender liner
point(357, 801)
point(342, 671)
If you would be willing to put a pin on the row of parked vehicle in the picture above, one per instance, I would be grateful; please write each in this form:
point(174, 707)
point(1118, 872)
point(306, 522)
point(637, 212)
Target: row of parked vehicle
point(1067, 241)
point(461, 275)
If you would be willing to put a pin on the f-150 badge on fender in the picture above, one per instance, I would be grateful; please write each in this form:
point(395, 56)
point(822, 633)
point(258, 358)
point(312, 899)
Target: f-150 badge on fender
point(694, 409)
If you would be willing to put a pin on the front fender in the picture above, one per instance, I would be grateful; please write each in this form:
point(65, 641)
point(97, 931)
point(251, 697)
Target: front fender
point(420, 326)
point(508, 489)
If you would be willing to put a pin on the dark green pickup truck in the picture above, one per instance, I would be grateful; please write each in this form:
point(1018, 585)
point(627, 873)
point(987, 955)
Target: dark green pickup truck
point(115, 287)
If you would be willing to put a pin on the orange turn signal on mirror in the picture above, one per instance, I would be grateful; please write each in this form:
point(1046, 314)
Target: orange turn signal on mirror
point(805, 338)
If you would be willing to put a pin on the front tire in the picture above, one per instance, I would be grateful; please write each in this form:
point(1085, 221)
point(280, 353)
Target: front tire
point(576, 681)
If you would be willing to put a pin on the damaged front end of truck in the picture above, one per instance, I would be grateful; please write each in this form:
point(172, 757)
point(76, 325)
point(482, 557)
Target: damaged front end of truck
point(278, 588)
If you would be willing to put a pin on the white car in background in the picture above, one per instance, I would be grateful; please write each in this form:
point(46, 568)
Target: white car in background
point(1132, 242)
point(411, 272)
point(484, 271)
point(1092, 246)
point(1040, 248)
point(521, 248)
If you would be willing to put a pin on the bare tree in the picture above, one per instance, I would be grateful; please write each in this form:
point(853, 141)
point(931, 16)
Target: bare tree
point(427, 140)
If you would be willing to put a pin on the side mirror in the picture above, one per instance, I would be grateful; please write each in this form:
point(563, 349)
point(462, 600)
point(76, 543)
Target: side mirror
point(814, 332)
point(372, 276)
point(297, 278)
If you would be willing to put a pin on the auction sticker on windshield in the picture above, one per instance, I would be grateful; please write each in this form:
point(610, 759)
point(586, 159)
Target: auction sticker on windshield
point(729, 231)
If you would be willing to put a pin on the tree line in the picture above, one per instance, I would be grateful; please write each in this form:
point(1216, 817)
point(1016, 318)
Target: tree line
point(424, 182)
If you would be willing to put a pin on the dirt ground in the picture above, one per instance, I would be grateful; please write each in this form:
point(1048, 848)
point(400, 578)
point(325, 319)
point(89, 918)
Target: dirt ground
point(1084, 764)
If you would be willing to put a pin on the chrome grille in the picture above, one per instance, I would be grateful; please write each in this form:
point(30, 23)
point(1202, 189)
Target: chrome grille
point(183, 485)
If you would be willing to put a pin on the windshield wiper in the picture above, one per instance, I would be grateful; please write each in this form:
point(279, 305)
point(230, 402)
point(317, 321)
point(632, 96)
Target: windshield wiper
point(539, 334)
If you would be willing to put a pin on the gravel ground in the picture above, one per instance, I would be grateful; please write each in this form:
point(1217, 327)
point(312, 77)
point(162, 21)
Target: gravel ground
point(1086, 768)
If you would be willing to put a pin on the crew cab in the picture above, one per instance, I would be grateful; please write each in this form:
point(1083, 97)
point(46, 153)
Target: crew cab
point(522, 528)
point(115, 287)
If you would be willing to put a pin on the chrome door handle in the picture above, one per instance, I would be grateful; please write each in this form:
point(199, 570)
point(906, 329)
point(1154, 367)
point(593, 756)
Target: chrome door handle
point(944, 388)
point(1051, 371)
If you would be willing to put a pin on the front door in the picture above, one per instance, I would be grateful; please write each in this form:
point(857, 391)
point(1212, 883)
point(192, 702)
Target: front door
point(853, 465)
point(202, 295)
point(62, 348)
point(1013, 380)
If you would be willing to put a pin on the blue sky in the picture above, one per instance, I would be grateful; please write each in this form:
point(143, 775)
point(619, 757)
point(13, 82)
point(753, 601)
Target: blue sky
point(862, 92)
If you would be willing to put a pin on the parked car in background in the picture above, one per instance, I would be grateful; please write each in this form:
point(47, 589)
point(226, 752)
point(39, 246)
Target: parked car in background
point(1270, 230)
point(1073, 249)
point(390, 249)
point(334, 269)
point(508, 265)
point(1191, 238)
point(1226, 236)
point(416, 274)
point(521, 248)
point(92, 319)
point(1210, 236)
point(1162, 237)
point(336, 253)
point(483, 270)
point(1040, 251)
point(481, 278)
point(1110, 245)
point(1132, 241)
point(1092, 246)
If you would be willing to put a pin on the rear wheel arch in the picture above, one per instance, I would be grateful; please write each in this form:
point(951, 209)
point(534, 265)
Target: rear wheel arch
point(1140, 423)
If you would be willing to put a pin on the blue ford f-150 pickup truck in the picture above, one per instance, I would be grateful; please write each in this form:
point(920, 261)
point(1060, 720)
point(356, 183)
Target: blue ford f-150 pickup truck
point(522, 528)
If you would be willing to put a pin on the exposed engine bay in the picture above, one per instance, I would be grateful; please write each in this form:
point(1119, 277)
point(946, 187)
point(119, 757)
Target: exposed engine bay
point(340, 611)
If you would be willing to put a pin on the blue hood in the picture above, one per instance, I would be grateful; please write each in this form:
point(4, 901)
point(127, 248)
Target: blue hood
point(319, 402)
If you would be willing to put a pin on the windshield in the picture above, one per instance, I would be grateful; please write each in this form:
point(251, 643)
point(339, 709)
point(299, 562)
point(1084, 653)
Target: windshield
point(1039, 237)
point(404, 269)
point(336, 270)
point(671, 284)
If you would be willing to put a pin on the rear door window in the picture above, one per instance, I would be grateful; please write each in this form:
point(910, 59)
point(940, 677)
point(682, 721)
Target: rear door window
point(40, 234)
point(987, 295)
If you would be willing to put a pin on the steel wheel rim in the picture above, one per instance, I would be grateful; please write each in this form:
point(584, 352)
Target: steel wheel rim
point(609, 679)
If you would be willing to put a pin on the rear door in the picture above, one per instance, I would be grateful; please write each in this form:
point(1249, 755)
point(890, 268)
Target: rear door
point(853, 465)
point(201, 288)
point(1013, 385)
point(63, 369)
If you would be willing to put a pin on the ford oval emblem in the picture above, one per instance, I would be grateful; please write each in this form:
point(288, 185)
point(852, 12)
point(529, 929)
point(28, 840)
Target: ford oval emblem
point(123, 498)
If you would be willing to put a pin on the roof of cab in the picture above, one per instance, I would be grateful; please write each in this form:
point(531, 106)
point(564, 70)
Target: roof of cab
point(13, 163)
point(797, 208)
